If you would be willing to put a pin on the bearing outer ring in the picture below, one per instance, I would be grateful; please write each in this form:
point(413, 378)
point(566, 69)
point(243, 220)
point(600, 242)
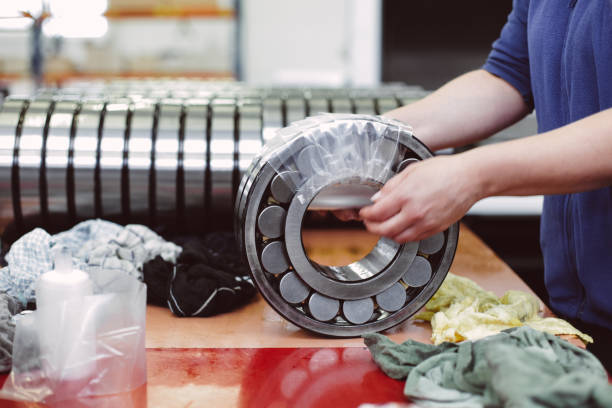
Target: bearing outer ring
point(255, 196)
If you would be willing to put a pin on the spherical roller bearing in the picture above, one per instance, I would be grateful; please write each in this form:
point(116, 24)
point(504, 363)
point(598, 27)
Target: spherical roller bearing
point(379, 291)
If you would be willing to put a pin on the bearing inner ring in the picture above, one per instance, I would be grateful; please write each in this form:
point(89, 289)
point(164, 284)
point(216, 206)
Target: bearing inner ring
point(377, 271)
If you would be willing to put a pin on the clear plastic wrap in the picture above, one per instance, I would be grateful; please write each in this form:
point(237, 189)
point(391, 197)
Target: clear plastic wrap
point(335, 148)
point(114, 320)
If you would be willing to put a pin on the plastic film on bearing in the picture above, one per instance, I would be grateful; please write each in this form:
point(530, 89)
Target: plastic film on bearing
point(310, 153)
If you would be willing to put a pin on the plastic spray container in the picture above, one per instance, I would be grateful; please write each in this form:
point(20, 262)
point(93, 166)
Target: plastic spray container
point(66, 335)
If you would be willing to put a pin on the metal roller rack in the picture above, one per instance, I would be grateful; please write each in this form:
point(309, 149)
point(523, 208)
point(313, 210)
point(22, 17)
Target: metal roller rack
point(158, 152)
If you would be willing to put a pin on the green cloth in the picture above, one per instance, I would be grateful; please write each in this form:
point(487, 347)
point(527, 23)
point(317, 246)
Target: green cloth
point(519, 367)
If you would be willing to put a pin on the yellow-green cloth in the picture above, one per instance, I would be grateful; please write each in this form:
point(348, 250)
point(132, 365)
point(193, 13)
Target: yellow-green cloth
point(462, 310)
point(519, 367)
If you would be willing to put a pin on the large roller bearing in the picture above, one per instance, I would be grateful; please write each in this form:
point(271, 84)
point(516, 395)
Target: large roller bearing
point(381, 290)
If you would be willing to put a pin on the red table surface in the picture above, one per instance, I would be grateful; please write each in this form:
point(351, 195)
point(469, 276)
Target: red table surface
point(254, 358)
point(249, 377)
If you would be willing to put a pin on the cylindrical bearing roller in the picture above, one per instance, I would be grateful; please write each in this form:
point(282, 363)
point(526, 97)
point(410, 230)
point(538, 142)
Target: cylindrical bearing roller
point(333, 162)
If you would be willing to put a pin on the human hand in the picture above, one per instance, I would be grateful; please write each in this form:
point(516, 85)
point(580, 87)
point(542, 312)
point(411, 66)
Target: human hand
point(425, 198)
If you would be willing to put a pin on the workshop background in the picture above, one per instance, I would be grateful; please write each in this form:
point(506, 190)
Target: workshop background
point(349, 43)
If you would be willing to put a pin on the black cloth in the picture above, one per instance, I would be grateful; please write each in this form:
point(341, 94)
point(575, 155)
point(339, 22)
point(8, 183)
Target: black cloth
point(602, 339)
point(209, 278)
point(156, 274)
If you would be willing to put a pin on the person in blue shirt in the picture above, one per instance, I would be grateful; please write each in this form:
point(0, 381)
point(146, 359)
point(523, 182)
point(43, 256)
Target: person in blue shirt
point(554, 56)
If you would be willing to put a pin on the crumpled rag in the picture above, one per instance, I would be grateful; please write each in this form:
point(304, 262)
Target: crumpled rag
point(462, 310)
point(98, 247)
point(519, 367)
point(209, 278)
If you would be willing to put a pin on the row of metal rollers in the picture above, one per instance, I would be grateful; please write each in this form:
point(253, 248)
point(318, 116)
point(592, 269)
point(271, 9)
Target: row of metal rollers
point(323, 308)
point(118, 151)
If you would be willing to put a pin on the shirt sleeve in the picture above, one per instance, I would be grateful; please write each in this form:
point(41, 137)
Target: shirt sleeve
point(509, 58)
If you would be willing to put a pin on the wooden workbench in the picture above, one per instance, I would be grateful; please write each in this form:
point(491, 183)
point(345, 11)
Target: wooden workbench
point(266, 328)
point(252, 357)
point(258, 326)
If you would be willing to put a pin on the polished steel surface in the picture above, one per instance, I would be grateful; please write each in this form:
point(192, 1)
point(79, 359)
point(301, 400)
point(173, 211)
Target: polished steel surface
point(419, 273)
point(292, 289)
point(140, 147)
point(344, 195)
point(167, 155)
point(111, 155)
point(344, 301)
point(304, 316)
point(10, 118)
point(358, 311)
point(195, 151)
point(57, 145)
point(271, 221)
point(323, 308)
point(274, 258)
point(280, 190)
point(250, 130)
point(393, 298)
point(243, 192)
point(157, 151)
point(30, 153)
point(432, 244)
point(272, 116)
point(85, 149)
point(222, 153)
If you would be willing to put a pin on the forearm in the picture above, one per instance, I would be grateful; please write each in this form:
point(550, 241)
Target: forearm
point(573, 158)
point(469, 108)
point(430, 195)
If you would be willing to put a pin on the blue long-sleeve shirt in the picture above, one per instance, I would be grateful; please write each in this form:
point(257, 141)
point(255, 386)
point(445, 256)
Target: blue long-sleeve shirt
point(558, 55)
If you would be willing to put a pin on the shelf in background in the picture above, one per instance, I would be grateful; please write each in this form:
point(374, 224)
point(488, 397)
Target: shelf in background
point(57, 78)
point(169, 12)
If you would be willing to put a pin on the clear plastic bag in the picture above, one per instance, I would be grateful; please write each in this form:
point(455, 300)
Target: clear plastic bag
point(111, 347)
point(314, 152)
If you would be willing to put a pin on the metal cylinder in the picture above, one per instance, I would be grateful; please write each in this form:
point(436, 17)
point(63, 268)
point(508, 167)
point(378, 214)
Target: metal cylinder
point(158, 152)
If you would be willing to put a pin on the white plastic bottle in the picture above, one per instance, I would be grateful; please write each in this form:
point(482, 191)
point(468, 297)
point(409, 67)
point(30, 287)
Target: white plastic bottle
point(66, 337)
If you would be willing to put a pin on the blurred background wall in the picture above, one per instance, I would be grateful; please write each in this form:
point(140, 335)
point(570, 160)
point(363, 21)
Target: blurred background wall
point(316, 42)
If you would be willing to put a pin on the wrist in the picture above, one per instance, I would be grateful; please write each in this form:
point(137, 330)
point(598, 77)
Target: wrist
point(479, 177)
